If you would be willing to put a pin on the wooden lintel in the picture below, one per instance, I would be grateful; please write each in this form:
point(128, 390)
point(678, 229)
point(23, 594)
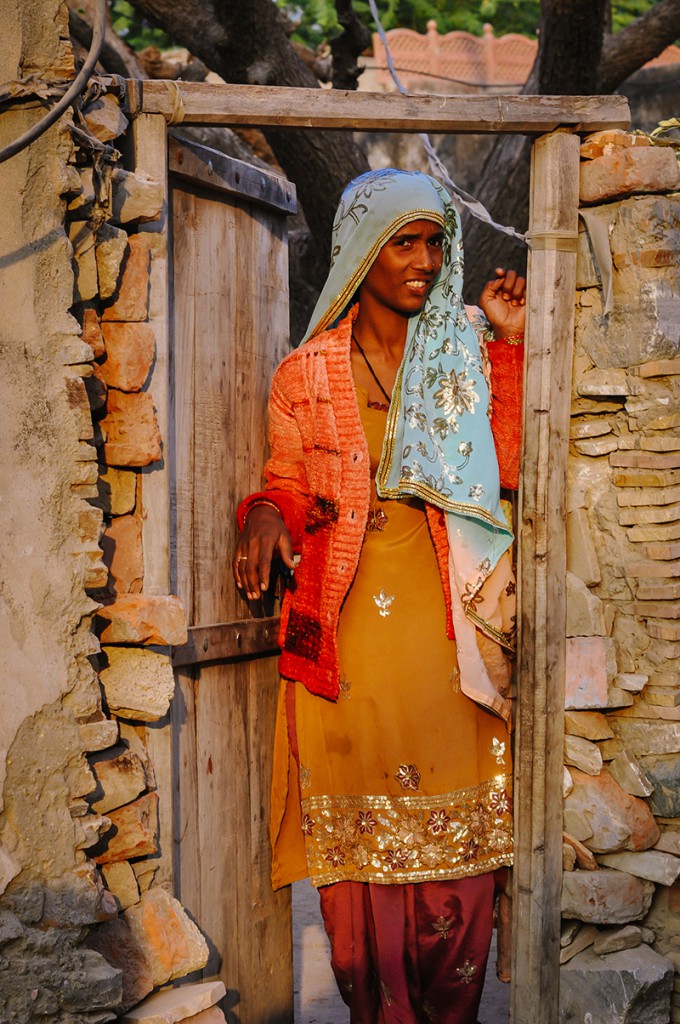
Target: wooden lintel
point(195, 103)
point(226, 174)
point(228, 640)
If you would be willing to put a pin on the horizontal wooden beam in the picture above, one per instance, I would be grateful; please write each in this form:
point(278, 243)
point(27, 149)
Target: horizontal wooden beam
point(222, 173)
point(228, 640)
point(195, 103)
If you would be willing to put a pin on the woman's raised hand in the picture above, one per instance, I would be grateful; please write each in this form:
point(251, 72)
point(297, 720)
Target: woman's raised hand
point(264, 535)
point(503, 303)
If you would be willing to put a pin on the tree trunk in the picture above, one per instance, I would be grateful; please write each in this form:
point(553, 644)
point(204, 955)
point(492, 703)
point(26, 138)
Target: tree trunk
point(642, 40)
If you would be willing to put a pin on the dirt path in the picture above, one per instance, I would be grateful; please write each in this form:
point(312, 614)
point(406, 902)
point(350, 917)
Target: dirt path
point(316, 998)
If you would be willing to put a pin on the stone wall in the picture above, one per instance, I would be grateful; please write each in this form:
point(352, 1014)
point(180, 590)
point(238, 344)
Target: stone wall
point(621, 934)
point(85, 934)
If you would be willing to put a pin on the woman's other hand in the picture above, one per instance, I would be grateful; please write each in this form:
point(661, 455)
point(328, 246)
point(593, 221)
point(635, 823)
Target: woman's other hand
point(503, 302)
point(264, 535)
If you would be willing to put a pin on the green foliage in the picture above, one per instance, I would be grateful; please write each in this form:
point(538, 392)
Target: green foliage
point(135, 30)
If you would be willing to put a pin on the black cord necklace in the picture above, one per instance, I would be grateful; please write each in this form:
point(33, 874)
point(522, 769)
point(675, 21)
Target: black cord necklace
point(372, 372)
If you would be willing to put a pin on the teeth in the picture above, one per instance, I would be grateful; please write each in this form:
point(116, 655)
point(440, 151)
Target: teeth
point(417, 284)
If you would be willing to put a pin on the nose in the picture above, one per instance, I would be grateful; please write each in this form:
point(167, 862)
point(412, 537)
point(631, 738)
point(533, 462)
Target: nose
point(425, 257)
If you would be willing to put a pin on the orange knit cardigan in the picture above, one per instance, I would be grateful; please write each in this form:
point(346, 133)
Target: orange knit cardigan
point(318, 476)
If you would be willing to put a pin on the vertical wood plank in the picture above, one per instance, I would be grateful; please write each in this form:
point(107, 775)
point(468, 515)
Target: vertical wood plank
point(542, 568)
point(149, 145)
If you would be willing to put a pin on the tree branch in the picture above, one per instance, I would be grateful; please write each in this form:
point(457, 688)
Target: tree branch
point(348, 45)
point(641, 41)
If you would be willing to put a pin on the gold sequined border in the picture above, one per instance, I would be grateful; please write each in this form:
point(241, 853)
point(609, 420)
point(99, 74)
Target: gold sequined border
point(385, 839)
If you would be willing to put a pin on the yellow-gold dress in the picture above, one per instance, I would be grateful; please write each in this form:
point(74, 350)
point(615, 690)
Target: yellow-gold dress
point(404, 778)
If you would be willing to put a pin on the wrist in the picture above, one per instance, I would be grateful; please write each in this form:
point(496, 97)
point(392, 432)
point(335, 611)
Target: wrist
point(509, 337)
point(262, 503)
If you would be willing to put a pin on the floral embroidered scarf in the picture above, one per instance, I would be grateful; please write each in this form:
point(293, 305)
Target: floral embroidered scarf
point(438, 442)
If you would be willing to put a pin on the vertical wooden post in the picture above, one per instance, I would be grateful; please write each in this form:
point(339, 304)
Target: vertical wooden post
point(542, 569)
point(149, 142)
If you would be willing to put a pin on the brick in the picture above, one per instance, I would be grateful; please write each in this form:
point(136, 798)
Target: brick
point(612, 940)
point(605, 897)
point(655, 534)
point(600, 383)
point(646, 478)
point(130, 349)
point(592, 725)
point(173, 944)
point(618, 820)
point(122, 552)
point(143, 619)
point(582, 754)
point(177, 1004)
point(628, 171)
point(92, 332)
point(654, 514)
point(648, 496)
point(131, 300)
point(121, 882)
point(111, 247)
point(584, 858)
point(117, 490)
point(601, 143)
point(585, 616)
point(135, 196)
point(626, 771)
point(131, 428)
point(136, 831)
point(121, 780)
point(581, 554)
point(659, 368)
point(105, 119)
point(590, 661)
point(654, 865)
point(138, 684)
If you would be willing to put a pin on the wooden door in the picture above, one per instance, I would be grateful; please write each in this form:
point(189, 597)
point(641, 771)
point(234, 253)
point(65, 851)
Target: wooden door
point(229, 330)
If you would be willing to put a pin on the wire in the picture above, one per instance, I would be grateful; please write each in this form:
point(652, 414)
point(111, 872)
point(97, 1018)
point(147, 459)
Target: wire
point(76, 88)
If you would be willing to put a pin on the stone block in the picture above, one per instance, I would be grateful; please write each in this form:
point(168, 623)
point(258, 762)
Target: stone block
point(177, 1004)
point(576, 824)
point(143, 619)
point(117, 490)
point(618, 821)
point(92, 332)
point(173, 944)
point(9, 868)
point(98, 735)
point(604, 142)
point(131, 429)
point(138, 684)
point(136, 831)
point(122, 551)
point(653, 570)
point(581, 553)
point(591, 725)
point(130, 349)
point(589, 664)
point(111, 247)
point(567, 782)
point(669, 842)
point(121, 779)
point(632, 986)
point(584, 938)
point(613, 940)
point(643, 516)
point(660, 368)
point(663, 551)
point(585, 616)
point(582, 754)
point(663, 629)
point(84, 261)
point(212, 1016)
point(133, 736)
point(123, 951)
point(121, 881)
point(632, 682)
point(568, 857)
point(654, 865)
point(131, 302)
point(662, 696)
point(605, 896)
point(583, 429)
point(626, 771)
point(663, 773)
point(89, 829)
point(599, 383)
point(649, 496)
point(584, 858)
point(654, 533)
point(596, 448)
point(627, 172)
point(646, 738)
point(645, 460)
point(669, 609)
point(646, 478)
point(667, 422)
point(105, 119)
point(664, 679)
point(135, 196)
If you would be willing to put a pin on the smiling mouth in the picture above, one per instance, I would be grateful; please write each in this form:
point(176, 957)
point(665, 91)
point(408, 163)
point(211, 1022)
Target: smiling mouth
point(420, 286)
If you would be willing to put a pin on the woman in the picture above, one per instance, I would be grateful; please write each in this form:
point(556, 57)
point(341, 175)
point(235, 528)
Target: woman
point(392, 773)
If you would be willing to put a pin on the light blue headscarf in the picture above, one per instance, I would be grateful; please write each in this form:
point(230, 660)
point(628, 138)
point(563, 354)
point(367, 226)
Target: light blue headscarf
point(438, 443)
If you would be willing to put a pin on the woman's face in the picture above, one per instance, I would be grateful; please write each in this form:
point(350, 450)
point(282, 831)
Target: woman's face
point(405, 268)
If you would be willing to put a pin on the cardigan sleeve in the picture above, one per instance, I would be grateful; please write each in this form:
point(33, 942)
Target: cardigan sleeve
point(506, 409)
point(285, 477)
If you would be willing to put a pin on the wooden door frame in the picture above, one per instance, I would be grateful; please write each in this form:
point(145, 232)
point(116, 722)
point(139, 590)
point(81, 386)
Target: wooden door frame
point(555, 122)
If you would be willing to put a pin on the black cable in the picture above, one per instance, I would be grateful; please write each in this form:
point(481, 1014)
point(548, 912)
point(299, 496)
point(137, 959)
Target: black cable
point(77, 86)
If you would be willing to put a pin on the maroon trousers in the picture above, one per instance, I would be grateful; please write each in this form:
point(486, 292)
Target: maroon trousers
point(414, 953)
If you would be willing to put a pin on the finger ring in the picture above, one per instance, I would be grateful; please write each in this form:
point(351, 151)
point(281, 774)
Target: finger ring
point(242, 558)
